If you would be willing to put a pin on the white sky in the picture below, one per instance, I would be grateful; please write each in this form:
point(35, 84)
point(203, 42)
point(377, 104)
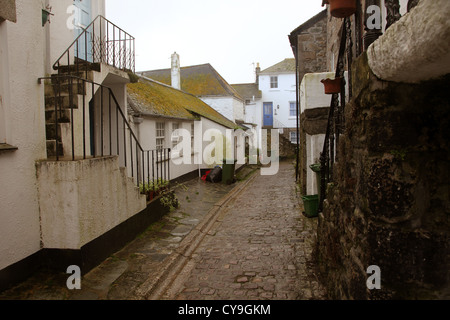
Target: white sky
point(231, 35)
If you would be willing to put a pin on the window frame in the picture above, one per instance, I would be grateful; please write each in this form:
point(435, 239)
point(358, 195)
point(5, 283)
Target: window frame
point(274, 82)
point(160, 135)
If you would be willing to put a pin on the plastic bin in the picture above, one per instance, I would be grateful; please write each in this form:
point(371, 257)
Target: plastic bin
point(311, 204)
point(228, 171)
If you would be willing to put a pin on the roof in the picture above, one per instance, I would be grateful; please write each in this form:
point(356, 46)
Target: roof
point(201, 80)
point(151, 98)
point(248, 90)
point(285, 66)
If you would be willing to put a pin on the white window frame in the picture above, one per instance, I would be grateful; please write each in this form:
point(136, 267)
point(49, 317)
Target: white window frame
point(290, 109)
point(273, 82)
point(175, 138)
point(160, 135)
point(293, 137)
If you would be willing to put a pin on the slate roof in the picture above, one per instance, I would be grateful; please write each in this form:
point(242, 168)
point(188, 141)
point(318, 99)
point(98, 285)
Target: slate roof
point(248, 90)
point(201, 81)
point(151, 98)
point(285, 66)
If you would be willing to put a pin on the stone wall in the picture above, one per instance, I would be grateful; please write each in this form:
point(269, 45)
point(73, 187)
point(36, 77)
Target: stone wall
point(389, 204)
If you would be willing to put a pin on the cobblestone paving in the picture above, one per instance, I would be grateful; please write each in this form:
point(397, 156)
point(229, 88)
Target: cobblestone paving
point(260, 249)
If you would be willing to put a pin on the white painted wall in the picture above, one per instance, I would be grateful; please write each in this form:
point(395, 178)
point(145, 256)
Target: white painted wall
point(253, 114)
point(59, 34)
point(230, 107)
point(281, 97)
point(70, 194)
point(22, 51)
point(312, 91)
point(312, 96)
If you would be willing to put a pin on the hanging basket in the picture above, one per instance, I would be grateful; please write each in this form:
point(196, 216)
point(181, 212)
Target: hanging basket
point(342, 8)
point(332, 86)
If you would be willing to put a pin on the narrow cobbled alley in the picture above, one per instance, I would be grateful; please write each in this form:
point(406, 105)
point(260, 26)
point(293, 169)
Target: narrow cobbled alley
point(248, 241)
point(260, 248)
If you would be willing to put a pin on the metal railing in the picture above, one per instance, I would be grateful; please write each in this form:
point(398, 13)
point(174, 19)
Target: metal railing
point(100, 42)
point(349, 45)
point(99, 128)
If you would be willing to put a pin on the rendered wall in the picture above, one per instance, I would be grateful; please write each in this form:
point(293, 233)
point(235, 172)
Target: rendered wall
point(81, 200)
point(24, 119)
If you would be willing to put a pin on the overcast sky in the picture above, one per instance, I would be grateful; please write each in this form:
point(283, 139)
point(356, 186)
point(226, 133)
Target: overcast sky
point(231, 35)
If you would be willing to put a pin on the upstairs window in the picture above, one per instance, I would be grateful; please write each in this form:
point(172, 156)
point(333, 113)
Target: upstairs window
point(273, 82)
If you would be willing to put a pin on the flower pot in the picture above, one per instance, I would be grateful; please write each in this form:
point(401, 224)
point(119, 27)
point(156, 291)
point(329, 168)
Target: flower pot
point(342, 8)
point(332, 86)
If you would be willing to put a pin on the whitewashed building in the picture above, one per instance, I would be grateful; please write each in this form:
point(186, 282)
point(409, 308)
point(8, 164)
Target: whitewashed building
point(279, 103)
point(166, 117)
point(69, 174)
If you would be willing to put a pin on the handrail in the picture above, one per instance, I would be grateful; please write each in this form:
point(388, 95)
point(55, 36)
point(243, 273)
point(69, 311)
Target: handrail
point(335, 119)
point(141, 162)
point(100, 47)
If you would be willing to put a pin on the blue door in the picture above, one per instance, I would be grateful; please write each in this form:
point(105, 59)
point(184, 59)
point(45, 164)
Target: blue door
point(268, 114)
point(83, 17)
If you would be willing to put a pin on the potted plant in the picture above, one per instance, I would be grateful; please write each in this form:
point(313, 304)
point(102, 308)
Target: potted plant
point(332, 86)
point(341, 8)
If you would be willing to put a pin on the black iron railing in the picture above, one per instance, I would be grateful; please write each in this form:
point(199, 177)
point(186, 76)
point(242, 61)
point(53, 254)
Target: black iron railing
point(96, 126)
point(100, 42)
point(350, 44)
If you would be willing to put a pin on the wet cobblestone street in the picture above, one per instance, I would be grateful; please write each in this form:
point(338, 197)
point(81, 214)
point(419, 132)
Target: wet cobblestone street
point(244, 241)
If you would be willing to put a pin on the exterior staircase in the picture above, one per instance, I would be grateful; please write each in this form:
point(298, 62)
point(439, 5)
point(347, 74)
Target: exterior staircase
point(65, 99)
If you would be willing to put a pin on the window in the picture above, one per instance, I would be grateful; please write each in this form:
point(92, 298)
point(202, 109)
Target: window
point(292, 109)
point(175, 137)
point(160, 135)
point(273, 82)
point(293, 136)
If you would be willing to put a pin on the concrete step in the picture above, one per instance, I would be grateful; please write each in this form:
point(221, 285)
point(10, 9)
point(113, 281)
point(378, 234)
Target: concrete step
point(80, 67)
point(63, 101)
point(63, 116)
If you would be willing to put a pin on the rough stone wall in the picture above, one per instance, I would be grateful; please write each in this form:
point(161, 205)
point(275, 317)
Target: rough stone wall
point(312, 46)
point(389, 204)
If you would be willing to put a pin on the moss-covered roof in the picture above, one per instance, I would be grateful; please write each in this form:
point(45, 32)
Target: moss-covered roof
point(201, 80)
point(152, 98)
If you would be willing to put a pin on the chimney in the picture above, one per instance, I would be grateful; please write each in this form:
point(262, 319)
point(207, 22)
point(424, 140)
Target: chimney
point(258, 71)
point(176, 73)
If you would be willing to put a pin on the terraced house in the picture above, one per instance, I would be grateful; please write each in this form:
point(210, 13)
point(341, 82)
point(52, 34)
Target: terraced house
point(160, 112)
point(70, 162)
point(204, 82)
